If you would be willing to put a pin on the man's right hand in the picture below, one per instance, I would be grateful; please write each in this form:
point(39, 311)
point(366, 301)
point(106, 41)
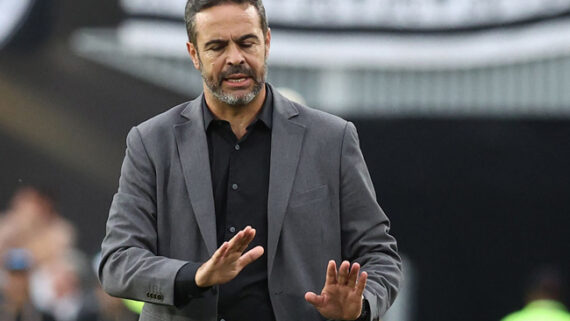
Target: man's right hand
point(229, 259)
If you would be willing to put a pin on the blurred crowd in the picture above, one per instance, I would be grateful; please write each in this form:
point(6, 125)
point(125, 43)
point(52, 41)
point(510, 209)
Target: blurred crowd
point(43, 276)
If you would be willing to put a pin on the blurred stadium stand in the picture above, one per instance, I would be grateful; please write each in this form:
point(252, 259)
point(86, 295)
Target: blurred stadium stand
point(447, 59)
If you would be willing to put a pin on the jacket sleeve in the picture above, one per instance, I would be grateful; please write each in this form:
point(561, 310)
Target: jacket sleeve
point(365, 229)
point(130, 267)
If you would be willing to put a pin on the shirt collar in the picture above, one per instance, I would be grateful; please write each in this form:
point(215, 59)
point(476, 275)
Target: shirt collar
point(265, 114)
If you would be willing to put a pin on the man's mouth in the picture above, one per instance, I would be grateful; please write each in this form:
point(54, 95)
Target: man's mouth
point(237, 79)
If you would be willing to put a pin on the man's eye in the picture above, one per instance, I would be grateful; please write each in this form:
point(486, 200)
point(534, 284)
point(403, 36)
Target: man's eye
point(247, 45)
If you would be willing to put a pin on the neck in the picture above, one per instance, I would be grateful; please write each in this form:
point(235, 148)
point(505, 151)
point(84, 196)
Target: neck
point(239, 117)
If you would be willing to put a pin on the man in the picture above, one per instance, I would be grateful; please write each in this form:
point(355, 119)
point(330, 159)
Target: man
point(15, 298)
point(239, 204)
point(544, 297)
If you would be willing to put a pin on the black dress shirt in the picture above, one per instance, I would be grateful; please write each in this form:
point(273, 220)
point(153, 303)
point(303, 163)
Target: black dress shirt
point(240, 182)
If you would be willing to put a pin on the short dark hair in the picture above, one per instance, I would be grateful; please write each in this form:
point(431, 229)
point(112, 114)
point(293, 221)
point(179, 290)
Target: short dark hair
point(195, 6)
point(546, 283)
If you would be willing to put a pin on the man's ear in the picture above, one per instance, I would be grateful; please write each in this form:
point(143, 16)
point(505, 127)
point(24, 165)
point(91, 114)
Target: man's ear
point(193, 52)
point(267, 42)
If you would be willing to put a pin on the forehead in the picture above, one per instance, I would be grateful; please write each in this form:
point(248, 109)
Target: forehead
point(227, 20)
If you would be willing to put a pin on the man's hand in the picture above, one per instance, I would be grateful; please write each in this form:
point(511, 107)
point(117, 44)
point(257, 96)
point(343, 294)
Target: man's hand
point(341, 297)
point(228, 261)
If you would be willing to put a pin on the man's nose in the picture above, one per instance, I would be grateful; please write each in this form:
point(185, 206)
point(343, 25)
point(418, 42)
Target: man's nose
point(235, 55)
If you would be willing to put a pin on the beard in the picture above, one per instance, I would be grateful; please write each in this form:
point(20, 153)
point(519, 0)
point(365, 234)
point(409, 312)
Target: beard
point(215, 85)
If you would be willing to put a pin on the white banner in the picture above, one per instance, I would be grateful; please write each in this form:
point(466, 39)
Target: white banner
point(409, 14)
point(415, 14)
point(161, 8)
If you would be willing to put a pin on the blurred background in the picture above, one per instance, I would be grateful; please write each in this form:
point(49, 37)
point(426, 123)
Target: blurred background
point(463, 111)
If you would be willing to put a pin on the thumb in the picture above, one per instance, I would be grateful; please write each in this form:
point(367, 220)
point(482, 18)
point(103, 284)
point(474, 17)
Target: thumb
point(314, 299)
point(251, 256)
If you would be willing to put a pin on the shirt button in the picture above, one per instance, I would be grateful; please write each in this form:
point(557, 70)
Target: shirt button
point(235, 187)
point(232, 229)
point(237, 147)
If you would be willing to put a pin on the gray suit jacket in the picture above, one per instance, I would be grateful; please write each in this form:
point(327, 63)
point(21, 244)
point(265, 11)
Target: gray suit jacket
point(321, 206)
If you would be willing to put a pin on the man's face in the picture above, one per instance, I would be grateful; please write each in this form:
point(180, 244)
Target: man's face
point(231, 52)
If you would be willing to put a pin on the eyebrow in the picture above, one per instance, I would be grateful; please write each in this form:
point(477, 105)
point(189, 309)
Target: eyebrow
point(248, 36)
point(223, 42)
point(215, 42)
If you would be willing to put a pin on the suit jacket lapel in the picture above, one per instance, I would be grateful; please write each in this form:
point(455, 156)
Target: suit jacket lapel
point(193, 151)
point(286, 144)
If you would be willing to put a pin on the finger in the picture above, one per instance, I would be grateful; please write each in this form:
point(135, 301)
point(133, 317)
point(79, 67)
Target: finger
point(236, 241)
point(353, 275)
point(343, 273)
point(226, 250)
point(331, 273)
point(314, 299)
point(242, 239)
point(220, 252)
point(361, 283)
point(249, 236)
point(250, 256)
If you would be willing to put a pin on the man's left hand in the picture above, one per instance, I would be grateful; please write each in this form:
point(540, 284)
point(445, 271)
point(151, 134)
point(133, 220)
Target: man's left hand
point(341, 297)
